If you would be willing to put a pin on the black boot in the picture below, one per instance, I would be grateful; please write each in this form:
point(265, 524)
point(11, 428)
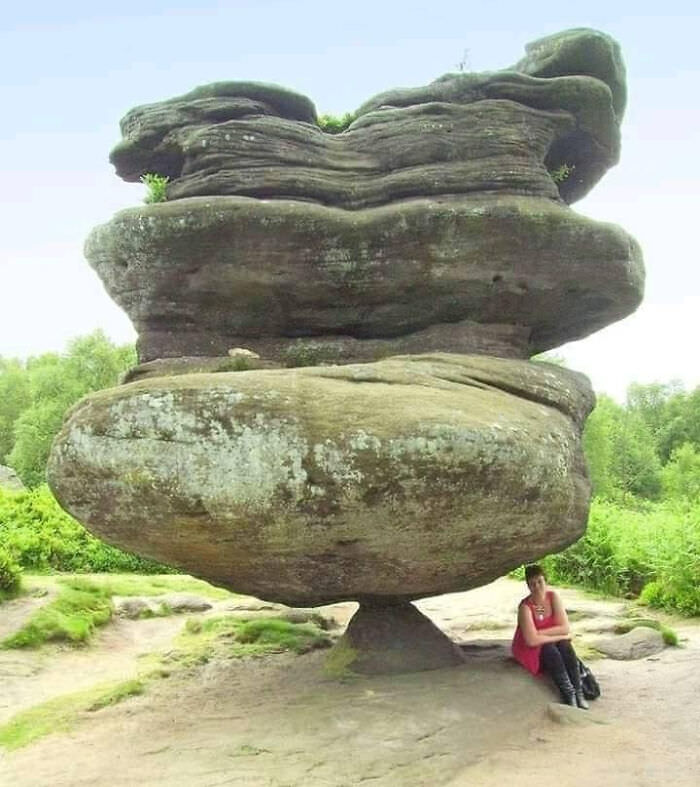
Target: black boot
point(573, 675)
point(565, 686)
point(578, 690)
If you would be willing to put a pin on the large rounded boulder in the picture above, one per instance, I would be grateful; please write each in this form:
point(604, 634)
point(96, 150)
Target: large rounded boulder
point(405, 478)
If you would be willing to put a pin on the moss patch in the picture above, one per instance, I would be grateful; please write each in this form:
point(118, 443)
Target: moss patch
point(339, 660)
point(73, 616)
point(62, 713)
point(156, 585)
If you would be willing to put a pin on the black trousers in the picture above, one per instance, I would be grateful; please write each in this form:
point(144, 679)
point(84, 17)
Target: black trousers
point(559, 660)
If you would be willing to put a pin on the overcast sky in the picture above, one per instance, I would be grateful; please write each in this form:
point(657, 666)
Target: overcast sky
point(70, 71)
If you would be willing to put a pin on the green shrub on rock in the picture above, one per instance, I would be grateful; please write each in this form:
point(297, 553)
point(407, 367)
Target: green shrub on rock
point(332, 124)
point(156, 186)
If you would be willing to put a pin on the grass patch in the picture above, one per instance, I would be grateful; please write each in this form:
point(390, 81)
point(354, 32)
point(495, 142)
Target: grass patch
point(73, 616)
point(333, 124)
point(117, 693)
point(273, 634)
point(489, 624)
point(84, 603)
point(155, 585)
point(226, 636)
point(62, 713)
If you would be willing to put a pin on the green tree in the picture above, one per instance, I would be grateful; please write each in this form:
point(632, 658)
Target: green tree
point(14, 398)
point(55, 383)
point(598, 445)
point(681, 475)
point(681, 423)
point(621, 452)
point(635, 463)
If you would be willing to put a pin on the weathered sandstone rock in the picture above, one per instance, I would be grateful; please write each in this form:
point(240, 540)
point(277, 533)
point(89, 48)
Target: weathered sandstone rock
point(507, 276)
point(462, 133)
point(437, 222)
point(409, 477)
point(636, 644)
point(10, 480)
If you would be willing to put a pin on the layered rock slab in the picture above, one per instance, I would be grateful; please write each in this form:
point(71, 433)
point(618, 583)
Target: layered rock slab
point(409, 477)
point(465, 132)
point(437, 221)
point(508, 276)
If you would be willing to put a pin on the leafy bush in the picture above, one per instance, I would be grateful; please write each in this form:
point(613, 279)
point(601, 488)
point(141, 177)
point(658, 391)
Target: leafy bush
point(302, 354)
point(654, 550)
point(156, 186)
point(43, 537)
point(10, 574)
point(332, 124)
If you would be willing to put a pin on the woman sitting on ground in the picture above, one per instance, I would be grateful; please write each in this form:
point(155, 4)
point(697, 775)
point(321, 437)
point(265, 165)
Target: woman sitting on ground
point(542, 642)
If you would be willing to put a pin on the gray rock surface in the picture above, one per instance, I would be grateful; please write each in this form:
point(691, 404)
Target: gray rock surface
point(409, 477)
point(10, 480)
point(135, 607)
point(507, 276)
point(561, 104)
point(386, 638)
point(434, 222)
point(636, 644)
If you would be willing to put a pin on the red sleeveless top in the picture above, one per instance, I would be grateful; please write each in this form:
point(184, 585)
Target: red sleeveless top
point(528, 656)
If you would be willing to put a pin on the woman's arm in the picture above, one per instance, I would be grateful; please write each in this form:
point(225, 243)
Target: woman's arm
point(532, 636)
point(561, 620)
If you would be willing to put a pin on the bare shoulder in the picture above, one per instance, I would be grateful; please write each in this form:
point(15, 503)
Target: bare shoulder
point(524, 605)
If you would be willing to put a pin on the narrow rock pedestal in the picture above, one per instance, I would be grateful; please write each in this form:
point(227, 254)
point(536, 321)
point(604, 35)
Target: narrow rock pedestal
point(392, 636)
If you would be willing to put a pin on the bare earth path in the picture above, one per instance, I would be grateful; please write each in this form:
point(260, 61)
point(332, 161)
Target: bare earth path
point(277, 721)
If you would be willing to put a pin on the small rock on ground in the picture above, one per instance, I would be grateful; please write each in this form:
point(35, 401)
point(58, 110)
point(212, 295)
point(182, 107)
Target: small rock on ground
point(636, 644)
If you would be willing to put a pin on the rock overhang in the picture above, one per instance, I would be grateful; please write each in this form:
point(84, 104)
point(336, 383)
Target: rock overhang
point(513, 275)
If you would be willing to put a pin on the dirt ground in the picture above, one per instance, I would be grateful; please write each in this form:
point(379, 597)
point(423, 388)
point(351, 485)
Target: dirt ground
point(279, 722)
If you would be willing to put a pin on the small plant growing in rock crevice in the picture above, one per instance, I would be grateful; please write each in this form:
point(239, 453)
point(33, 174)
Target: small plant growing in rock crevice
point(156, 186)
point(561, 173)
point(332, 124)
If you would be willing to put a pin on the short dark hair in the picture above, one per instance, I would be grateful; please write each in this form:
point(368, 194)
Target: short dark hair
point(532, 571)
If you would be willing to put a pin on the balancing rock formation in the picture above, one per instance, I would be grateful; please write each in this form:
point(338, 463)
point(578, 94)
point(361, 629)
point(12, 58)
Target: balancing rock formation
point(411, 264)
